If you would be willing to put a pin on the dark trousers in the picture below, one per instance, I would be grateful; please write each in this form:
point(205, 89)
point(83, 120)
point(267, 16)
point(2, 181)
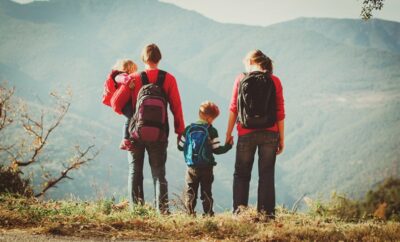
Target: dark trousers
point(127, 111)
point(157, 152)
point(266, 143)
point(203, 177)
point(127, 135)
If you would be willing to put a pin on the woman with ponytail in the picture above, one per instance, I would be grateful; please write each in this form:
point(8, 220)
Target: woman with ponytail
point(257, 108)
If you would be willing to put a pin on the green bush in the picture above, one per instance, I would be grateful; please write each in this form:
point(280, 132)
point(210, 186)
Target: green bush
point(386, 194)
point(11, 182)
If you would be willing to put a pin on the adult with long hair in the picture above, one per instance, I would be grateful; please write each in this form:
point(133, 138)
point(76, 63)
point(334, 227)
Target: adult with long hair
point(257, 108)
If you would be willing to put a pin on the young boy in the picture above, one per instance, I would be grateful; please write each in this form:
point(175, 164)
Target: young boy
point(199, 142)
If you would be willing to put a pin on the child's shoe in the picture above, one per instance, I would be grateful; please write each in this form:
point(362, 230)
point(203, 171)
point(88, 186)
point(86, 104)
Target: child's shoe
point(126, 144)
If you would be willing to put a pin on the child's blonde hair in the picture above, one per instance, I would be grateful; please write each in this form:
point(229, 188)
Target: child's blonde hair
point(208, 109)
point(125, 65)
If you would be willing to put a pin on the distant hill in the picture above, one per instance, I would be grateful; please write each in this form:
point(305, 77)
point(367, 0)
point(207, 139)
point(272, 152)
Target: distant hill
point(341, 83)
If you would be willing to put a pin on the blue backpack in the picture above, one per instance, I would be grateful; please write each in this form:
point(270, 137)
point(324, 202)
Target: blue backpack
point(197, 148)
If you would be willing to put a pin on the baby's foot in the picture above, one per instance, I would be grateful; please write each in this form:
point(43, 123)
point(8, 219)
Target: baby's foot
point(126, 144)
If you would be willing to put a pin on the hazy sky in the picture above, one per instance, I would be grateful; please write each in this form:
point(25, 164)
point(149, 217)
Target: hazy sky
point(265, 12)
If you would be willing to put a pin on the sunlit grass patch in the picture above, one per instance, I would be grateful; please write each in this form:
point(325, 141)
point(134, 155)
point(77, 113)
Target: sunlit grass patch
point(111, 219)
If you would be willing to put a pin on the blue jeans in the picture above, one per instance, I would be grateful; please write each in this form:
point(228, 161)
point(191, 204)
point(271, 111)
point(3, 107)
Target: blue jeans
point(266, 142)
point(157, 152)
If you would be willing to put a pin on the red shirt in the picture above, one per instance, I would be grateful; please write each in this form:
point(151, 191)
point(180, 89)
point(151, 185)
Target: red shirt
point(171, 90)
point(280, 108)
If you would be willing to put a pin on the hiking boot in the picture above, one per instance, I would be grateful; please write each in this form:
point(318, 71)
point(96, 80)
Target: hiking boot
point(126, 144)
point(205, 215)
point(165, 212)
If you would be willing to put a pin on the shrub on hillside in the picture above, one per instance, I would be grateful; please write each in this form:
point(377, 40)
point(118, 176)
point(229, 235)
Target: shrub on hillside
point(387, 197)
point(381, 203)
point(11, 182)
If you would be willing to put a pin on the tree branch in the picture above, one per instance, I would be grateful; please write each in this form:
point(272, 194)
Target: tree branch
point(44, 135)
point(6, 148)
point(5, 96)
point(77, 161)
point(296, 204)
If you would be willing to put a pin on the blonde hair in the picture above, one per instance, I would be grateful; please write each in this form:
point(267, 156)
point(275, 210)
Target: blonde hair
point(208, 110)
point(125, 65)
point(260, 59)
point(151, 53)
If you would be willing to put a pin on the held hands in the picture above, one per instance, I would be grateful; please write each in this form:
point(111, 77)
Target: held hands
point(229, 139)
point(178, 138)
point(281, 146)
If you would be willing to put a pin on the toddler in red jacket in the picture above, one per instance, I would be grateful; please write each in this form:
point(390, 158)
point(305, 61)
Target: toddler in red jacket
point(121, 75)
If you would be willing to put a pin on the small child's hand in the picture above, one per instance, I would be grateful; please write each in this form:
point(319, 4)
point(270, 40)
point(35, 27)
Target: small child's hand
point(178, 138)
point(131, 85)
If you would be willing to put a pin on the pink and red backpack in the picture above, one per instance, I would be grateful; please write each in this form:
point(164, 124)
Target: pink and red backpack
point(150, 122)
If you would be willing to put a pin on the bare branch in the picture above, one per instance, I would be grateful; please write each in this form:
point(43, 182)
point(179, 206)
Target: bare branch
point(41, 122)
point(29, 119)
point(28, 128)
point(296, 204)
point(80, 159)
point(39, 127)
point(14, 157)
point(6, 148)
point(5, 96)
point(42, 135)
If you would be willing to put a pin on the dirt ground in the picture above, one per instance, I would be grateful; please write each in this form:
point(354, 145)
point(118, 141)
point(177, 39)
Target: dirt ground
point(21, 235)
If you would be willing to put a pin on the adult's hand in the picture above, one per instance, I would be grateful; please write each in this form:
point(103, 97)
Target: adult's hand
point(281, 146)
point(178, 138)
point(229, 139)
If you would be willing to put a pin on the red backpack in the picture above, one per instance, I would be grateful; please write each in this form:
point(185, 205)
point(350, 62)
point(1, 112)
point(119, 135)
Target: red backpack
point(150, 122)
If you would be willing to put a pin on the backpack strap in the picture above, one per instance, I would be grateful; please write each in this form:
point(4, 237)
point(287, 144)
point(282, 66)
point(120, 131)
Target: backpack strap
point(144, 78)
point(161, 78)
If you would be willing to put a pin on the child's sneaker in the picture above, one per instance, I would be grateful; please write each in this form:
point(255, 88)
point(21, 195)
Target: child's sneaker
point(126, 144)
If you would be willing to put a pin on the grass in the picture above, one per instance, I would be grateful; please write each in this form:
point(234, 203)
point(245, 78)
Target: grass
point(102, 220)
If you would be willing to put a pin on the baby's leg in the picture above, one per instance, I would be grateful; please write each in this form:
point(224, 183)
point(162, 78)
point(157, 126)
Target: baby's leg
point(126, 143)
point(126, 128)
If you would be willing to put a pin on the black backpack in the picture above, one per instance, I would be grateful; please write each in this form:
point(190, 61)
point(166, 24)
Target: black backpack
point(257, 100)
point(150, 122)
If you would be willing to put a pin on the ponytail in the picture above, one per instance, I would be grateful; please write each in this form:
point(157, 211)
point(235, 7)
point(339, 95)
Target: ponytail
point(260, 59)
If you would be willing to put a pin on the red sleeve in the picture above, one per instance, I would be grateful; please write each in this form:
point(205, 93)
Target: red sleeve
point(174, 100)
point(109, 90)
point(120, 98)
point(233, 103)
point(280, 103)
